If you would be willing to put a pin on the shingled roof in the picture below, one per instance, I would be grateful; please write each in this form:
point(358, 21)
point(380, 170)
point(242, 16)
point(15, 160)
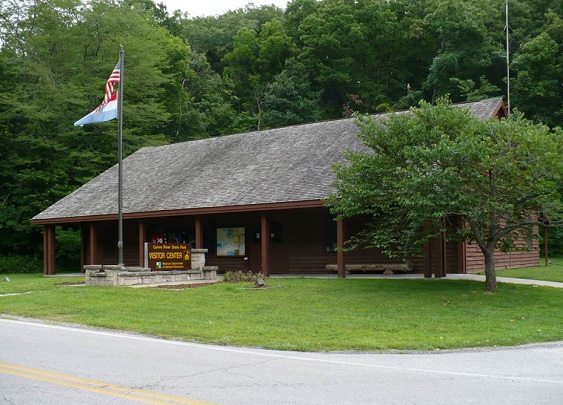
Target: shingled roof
point(285, 165)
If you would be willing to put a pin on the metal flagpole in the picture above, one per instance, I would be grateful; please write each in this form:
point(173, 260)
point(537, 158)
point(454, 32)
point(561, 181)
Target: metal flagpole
point(507, 62)
point(120, 159)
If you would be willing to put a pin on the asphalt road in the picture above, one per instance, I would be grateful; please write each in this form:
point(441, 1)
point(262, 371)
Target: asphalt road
point(46, 364)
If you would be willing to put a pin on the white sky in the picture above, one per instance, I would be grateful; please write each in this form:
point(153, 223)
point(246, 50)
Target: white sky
point(197, 8)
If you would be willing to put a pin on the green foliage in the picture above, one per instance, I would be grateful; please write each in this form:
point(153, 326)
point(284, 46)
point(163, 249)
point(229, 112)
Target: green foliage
point(471, 92)
point(290, 99)
point(463, 47)
point(539, 68)
point(68, 246)
point(437, 163)
point(54, 60)
point(13, 263)
point(555, 242)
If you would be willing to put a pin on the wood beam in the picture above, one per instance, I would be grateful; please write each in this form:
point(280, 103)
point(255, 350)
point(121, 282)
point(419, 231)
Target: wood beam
point(340, 257)
point(93, 247)
point(45, 251)
point(83, 244)
point(142, 240)
point(186, 212)
point(439, 249)
point(461, 257)
point(49, 250)
point(198, 233)
point(428, 260)
point(265, 245)
point(461, 249)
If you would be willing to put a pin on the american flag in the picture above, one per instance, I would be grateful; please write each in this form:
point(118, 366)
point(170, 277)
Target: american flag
point(107, 110)
point(110, 95)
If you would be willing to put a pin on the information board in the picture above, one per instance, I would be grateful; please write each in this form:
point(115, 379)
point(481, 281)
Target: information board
point(168, 256)
point(230, 242)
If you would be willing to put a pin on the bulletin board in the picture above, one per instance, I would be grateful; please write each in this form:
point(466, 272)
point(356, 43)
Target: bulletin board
point(230, 242)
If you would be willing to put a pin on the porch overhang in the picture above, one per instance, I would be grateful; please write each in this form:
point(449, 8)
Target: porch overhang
point(182, 212)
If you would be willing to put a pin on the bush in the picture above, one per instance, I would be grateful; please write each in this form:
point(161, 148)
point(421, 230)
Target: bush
point(20, 264)
point(68, 245)
point(241, 276)
point(555, 242)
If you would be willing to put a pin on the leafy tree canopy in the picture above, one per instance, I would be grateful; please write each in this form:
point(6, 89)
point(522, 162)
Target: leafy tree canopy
point(438, 162)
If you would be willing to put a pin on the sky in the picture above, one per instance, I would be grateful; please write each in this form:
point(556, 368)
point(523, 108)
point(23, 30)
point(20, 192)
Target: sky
point(197, 8)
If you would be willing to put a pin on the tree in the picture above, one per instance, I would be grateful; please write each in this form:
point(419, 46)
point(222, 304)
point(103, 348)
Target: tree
point(36, 166)
point(55, 57)
point(349, 48)
point(214, 36)
point(440, 162)
point(257, 57)
point(538, 67)
point(200, 102)
point(465, 47)
point(290, 98)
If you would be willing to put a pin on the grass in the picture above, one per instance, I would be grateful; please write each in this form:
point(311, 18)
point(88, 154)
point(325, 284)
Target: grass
point(305, 314)
point(551, 272)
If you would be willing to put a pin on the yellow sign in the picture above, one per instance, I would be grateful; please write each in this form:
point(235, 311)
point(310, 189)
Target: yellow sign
point(169, 256)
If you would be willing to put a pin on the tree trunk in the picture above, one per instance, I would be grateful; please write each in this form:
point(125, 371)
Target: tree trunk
point(490, 272)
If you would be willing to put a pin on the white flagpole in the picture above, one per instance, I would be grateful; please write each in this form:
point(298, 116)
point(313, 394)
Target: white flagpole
point(120, 159)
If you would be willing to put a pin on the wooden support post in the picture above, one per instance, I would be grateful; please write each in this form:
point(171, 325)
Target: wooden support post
point(546, 245)
point(198, 233)
point(142, 240)
point(49, 250)
point(265, 245)
point(462, 257)
point(45, 251)
point(461, 249)
point(440, 249)
point(441, 245)
point(93, 244)
point(428, 260)
point(83, 244)
point(340, 257)
point(444, 257)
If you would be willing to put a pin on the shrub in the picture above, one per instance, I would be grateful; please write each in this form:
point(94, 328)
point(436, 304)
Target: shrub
point(241, 276)
point(68, 246)
point(20, 264)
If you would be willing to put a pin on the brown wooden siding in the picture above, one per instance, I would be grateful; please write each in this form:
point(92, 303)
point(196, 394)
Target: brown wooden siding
point(476, 262)
point(452, 262)
point(367, 256)
point(527, 255)
point(304, 243)
point(306, 250)
point(228, 263)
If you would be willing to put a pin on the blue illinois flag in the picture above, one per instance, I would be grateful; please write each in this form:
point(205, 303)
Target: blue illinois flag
point(108, 109)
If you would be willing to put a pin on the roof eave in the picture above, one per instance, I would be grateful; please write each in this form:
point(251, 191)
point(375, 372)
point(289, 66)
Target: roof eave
point(500, 110)
point(183, 212)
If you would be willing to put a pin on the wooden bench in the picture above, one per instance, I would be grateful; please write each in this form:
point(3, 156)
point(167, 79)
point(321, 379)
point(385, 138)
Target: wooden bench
point(386, 268)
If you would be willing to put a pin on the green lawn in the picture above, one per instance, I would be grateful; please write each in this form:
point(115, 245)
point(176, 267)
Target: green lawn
point(552, 272)
point(305, 314)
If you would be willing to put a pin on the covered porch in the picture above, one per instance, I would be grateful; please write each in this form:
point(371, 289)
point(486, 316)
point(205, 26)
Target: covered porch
point(300, 239)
